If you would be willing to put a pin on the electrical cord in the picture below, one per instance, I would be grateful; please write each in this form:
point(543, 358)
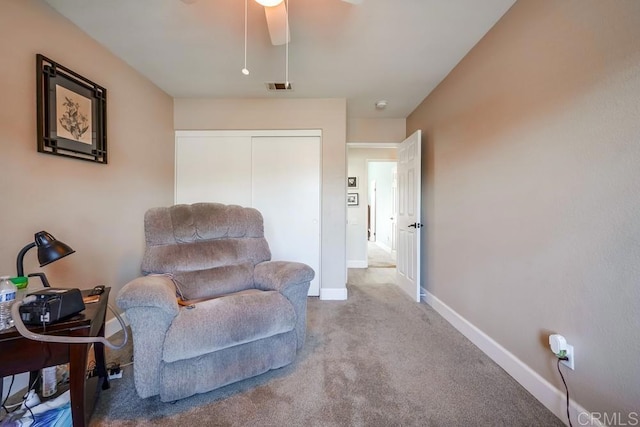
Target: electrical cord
point(35, 380)
point(13, 378)
point(171, 277)
point(33, 417)
point(6, 407)
point(24, 400)
point(22, 329)
point(25, 397)
point(567, 390)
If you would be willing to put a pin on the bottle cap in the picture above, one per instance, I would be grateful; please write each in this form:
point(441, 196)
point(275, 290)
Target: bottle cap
point(21, 282)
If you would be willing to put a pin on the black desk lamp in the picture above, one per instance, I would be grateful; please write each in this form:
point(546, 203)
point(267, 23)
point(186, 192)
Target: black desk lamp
point(49, 250)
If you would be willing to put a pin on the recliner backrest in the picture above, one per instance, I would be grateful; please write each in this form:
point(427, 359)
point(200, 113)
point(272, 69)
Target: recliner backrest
point(209, 248)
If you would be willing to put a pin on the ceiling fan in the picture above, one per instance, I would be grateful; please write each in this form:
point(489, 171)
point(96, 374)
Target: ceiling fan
point(276, 14)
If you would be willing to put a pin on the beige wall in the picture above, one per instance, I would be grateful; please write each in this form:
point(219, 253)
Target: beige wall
point(376, 130)
point(328, 115)
point(532, 191)
point(96, 209)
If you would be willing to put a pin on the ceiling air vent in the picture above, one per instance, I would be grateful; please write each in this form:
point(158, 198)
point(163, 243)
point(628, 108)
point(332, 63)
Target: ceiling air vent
point(279, 86)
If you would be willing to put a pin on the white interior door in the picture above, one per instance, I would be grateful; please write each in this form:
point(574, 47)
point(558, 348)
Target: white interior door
point(408, 221)
point(286, 190)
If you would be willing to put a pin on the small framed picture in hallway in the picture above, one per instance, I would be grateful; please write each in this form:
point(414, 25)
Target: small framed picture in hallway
point(352, 182)
point(352, 199)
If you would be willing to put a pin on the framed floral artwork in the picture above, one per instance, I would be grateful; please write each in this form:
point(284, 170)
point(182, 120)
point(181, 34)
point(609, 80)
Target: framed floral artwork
point(72, 113)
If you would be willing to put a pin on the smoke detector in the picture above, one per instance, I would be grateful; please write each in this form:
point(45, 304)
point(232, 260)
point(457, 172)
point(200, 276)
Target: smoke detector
point(381, 105)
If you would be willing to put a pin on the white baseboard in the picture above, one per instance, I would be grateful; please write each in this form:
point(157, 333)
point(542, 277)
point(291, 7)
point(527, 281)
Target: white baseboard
point(357, 263)
point(383, 246)
point(335, 294)
point(533, 382)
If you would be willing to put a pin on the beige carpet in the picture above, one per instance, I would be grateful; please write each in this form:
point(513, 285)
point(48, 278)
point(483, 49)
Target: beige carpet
point(378, 257)
point(377, 359)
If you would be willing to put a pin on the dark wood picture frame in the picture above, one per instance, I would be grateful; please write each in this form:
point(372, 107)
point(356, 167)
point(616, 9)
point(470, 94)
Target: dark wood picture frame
point(72, 113)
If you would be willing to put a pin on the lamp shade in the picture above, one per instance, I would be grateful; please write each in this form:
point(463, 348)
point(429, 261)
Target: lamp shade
point(50, 249)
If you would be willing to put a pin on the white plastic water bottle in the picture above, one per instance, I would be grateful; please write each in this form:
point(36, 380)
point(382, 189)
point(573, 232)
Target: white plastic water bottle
point(7, 297)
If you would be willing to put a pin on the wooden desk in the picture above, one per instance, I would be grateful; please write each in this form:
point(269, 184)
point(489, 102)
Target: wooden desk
point(19, 354)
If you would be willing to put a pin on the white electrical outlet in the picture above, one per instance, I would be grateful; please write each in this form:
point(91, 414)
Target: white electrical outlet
point(570, 362)
point(558, 345)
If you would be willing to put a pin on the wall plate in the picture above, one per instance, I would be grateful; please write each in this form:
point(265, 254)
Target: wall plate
point(569, 363)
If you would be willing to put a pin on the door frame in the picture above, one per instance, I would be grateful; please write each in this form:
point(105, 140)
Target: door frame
point(363, 182)
point(375, 207)
point(371, 213)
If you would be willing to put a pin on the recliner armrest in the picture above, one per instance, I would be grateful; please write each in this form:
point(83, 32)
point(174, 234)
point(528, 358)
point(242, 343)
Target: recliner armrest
point(151, 306)
point(279, 275)
point(149, 291)
point(291, 279)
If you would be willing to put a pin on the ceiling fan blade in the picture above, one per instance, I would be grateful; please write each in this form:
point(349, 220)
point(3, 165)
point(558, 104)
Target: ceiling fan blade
point(277, 23)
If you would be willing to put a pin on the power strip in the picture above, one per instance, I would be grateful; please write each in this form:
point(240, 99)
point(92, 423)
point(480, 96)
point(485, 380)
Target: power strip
point(31, 400)
point(115, 372)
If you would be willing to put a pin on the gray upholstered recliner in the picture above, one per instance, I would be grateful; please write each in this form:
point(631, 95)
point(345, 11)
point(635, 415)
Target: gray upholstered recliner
point(249, 315)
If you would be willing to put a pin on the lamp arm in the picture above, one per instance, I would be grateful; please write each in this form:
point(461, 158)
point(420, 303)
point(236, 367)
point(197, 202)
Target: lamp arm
point(42, 277)
point(20, 260)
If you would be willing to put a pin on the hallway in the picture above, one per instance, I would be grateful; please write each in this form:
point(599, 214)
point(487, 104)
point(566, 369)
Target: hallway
point(381, 268)
point(378, 257)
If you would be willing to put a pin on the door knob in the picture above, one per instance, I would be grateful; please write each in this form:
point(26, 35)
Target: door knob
point(415, 225)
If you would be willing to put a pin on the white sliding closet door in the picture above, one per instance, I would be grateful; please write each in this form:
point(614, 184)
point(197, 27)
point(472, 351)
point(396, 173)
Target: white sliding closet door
point(276, 172)
point(213, 169)
point(286, 189)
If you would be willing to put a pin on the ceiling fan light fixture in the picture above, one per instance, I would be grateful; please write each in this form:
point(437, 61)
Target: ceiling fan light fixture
point(269, 3)
point(278, 24)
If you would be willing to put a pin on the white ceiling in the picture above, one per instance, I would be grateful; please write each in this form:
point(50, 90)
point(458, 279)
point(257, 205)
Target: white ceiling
point(397, 50)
